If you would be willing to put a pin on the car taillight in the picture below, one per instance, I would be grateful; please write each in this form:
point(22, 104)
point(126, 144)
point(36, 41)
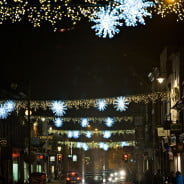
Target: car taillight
point(73, 173)
point(78, 178)
point(67, 179)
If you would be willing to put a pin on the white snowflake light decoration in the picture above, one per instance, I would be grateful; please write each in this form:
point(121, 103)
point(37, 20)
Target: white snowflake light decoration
point(9, 105)
point(88, 134)
point(58, 108)
point(106, 134)
point(106, 147)
point(109, 122)
point(84, 122)
point(101, 104)
point(58, 122)
point(76, 134)
point(124, 143)
point(70, 134)
point(134, 11)
point(85, 147)
point(121, 104)
point(3, 112)
point(103, 146)
point(107, 20)
point(6, 108)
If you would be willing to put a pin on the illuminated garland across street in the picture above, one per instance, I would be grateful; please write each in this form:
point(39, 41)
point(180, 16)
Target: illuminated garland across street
point(95, 145)
point(120, 105)
point(56, 11)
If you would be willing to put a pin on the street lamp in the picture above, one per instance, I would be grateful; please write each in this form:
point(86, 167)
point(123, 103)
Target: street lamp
point(59, 148)
point(160, 79)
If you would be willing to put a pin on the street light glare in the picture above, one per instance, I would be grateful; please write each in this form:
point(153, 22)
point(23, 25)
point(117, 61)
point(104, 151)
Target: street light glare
point(170, 1)
point(160, 80)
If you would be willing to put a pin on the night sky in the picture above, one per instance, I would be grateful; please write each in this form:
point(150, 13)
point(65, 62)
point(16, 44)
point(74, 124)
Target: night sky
point(77, 64)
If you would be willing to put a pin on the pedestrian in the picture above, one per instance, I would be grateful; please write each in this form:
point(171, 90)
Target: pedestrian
point(179, 178)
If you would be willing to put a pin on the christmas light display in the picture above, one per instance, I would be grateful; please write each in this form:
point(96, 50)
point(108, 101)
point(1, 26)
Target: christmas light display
point(109, 122)
point(134, 11)
point(165, 7)
point(84, 122)
point(58, 122)
point(107, 20)
point(6, 109)
point(121, 104)
point(101, 104)
point(58, 108)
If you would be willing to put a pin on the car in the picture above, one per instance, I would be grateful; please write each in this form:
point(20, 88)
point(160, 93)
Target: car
point(73, 177)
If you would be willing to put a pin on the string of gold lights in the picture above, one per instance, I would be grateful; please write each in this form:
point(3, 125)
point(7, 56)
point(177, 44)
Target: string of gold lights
point(88, 103)
point(78, 119)
point(94, 132)
point(94, 144)
point(165, 7)
point(55, 12)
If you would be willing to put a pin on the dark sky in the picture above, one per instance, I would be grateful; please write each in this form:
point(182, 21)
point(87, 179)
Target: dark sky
point(77, 64)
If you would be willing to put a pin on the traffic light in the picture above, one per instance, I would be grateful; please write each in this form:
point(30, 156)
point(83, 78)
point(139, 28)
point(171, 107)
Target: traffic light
point(125, 157)
point(59, 157)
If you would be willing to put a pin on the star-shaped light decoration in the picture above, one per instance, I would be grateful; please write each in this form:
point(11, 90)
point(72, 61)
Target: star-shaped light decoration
point(76, 134)
point(9, 105)
point(70, 134)
point(85, 147)
point(107, 134)
point(106, 19)
point(88, 134)
point(101, 104)
point(121, 104)
point(109, 122)
point(58, 122)
point(84, 122)
point(134, 11)
point(6, 109)
point(124, 143)
point(106, 147)
point(58, 108)
point(3, 112)
point(79, 145)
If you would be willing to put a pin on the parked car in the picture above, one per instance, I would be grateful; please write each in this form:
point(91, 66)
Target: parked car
point(38, 178)
point(73, 177)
